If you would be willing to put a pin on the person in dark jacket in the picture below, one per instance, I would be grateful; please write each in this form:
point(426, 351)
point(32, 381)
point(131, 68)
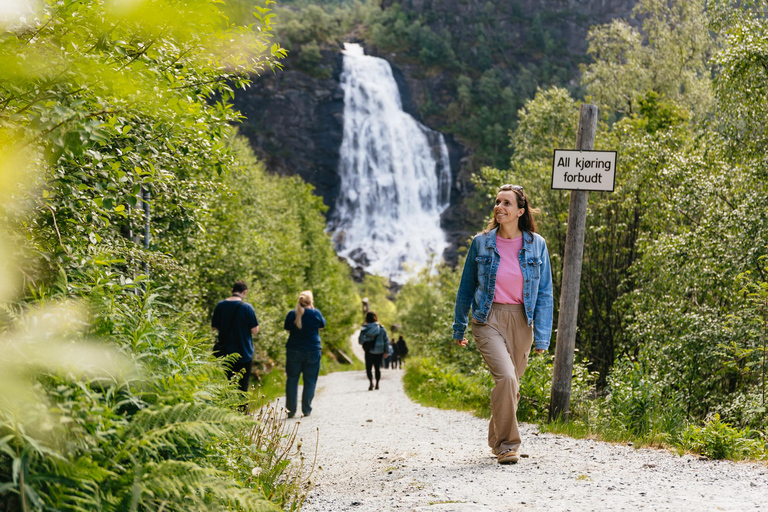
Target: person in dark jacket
point(302, 353)
point(373, 337)
point(235, 322)
point(401, 349)
point(393, 358)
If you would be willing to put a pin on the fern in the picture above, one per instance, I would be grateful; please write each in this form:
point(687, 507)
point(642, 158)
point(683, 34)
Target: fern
point(185, 486)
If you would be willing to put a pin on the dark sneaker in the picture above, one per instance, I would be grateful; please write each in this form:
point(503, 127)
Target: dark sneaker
point(508, 457)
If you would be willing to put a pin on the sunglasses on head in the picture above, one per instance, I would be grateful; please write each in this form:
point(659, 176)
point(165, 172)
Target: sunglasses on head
point(510, 187)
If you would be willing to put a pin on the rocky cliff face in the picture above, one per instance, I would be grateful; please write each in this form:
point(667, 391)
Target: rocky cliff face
point(294, 122)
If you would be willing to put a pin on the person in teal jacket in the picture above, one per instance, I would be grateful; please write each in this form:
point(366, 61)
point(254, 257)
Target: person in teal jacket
point(373, 337)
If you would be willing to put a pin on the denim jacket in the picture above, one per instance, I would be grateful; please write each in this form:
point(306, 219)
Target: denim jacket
point(478, 284)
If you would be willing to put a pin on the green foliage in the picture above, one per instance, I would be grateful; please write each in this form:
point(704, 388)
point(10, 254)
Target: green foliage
point(310, 60)
point(436, 384)
point(667, 56)
point(130, 442)
point(657, 115)
point(638, 403)
point(750, 359)
point(719, 440)
point(740, 85)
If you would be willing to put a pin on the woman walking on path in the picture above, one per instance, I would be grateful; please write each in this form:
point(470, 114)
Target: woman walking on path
point(507, 281)
point(373, 337)
point(302, 352)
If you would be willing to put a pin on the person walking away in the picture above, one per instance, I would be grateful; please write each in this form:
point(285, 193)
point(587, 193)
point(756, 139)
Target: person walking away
point(373, 337)
point(401, 350)
point(507, 282)
point(302, 353)
point(393, 357)
point(236, 324)
point(388, 357)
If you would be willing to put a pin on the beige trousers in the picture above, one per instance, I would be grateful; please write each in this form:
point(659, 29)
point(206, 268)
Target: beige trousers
point(504, 341)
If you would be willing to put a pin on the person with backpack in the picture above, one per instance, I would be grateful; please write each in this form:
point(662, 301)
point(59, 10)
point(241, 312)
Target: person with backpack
point(235, 322)
point(373, 337)
point(302, 352)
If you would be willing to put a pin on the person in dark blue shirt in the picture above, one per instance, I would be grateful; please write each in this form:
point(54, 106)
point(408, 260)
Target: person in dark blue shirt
point(302, 353)
point(236, 324)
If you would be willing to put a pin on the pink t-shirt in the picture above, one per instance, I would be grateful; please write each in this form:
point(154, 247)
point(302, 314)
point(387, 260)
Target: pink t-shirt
point(509, 277)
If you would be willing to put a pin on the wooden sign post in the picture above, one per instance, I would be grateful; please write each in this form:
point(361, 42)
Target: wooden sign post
point(574, 250)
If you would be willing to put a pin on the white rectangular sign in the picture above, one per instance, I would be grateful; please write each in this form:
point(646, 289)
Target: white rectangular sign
point(584, 170)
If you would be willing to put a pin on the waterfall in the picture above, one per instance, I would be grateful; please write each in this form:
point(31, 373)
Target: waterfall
point(395, 176)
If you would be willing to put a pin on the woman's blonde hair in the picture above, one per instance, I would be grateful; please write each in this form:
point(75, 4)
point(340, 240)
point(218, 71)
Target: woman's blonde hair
point(305, 300)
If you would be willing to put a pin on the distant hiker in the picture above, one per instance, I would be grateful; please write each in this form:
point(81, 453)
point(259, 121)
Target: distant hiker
point(507, 281)
point(393, 358)
point(302, 352)
point(388, 358)
point(401, 349)
point(236, 324)
point(373, 337)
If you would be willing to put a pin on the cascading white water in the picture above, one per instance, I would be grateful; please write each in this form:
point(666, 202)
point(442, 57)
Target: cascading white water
point(395, 176)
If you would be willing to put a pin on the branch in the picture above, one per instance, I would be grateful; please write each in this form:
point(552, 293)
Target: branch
point(56, 226)
point(93, 114)
point(136, 56)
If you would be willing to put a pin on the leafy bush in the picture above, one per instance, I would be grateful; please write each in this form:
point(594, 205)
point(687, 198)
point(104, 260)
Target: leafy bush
point(636, 399)
point(719, 440)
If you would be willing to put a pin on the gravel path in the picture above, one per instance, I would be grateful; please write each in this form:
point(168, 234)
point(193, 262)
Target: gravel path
point(378, 451)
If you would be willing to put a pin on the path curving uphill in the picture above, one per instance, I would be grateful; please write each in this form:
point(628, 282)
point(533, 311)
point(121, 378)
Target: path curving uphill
point(378, 451)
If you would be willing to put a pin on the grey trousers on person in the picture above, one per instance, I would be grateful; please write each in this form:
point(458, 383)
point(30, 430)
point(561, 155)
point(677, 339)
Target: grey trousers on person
point(504, 341)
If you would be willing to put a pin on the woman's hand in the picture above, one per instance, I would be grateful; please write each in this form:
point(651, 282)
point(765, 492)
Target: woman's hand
point(539, 350)
point(461, 343)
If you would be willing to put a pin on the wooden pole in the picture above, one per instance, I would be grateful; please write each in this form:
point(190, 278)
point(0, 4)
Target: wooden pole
point(569, 293)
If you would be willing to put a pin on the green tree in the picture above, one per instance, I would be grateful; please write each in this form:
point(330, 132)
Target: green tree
point(668, 56)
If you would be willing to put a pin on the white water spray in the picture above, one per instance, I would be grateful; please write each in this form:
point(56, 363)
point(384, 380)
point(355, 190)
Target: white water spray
point(395, 176)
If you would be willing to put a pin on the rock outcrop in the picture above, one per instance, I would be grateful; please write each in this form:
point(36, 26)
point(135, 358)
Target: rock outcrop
point(294, 122)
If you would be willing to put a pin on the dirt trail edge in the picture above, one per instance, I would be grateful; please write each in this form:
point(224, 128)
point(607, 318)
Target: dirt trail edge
point(378, 451)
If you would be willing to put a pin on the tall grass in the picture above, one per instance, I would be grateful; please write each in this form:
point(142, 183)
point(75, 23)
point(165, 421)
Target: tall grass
point(442, 386)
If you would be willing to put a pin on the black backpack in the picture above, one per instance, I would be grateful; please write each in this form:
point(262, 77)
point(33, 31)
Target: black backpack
point(369, 341)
